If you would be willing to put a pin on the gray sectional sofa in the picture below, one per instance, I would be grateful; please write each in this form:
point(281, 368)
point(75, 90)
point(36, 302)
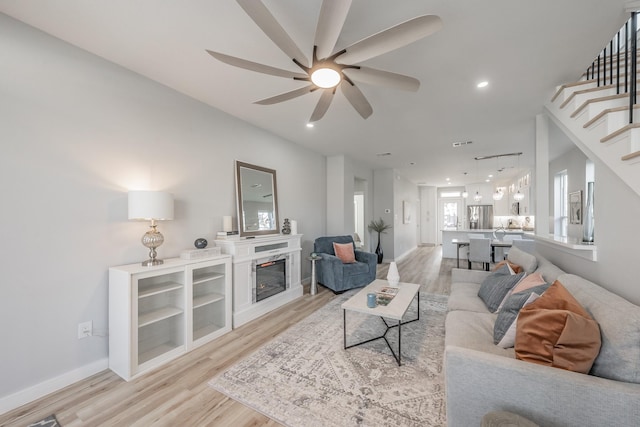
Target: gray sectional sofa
point(482, 377)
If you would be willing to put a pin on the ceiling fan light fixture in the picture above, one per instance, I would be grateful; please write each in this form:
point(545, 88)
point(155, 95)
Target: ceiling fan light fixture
point(325, 77)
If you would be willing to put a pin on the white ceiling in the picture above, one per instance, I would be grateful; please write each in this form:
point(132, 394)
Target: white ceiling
point(523, 48)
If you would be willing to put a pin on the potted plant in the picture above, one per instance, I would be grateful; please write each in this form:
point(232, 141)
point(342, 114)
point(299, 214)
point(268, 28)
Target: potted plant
point(378, 226)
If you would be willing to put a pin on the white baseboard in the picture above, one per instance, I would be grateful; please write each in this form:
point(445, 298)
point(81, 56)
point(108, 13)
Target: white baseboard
point(22, 397)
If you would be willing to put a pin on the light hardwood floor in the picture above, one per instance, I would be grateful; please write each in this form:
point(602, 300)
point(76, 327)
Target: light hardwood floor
point(177, 394)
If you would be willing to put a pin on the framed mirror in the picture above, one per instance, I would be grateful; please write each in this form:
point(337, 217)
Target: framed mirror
point(257, 199)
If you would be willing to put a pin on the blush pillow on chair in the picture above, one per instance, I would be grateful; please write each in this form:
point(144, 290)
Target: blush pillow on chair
point(555, 330)
point(344, 251)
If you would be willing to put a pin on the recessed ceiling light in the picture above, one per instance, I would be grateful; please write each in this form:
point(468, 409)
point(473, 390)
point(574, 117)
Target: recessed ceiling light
point(490, 175)
point(447, 179)
point(487, 180)
point(483, 84)
point(309, 125)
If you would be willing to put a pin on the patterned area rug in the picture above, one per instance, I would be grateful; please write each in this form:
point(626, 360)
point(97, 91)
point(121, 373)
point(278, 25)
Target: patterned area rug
point(304, 377)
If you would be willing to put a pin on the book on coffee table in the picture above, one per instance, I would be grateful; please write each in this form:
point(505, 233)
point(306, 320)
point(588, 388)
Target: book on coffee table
point(385, 295)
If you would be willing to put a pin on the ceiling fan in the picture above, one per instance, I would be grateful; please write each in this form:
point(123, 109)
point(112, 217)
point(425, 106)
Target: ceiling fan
point(328, 69)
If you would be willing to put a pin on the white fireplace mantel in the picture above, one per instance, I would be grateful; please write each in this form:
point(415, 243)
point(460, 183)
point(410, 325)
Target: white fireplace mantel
point(245, 253)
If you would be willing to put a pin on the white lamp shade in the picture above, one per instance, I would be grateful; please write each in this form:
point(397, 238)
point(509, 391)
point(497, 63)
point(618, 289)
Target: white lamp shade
point(149, 205)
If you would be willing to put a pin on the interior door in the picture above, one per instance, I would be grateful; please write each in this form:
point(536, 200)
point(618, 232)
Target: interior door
point(450, 215)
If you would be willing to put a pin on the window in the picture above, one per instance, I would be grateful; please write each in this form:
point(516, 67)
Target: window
point(561, 204)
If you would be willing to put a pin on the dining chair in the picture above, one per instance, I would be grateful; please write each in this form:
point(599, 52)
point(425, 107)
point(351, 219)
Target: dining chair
point(527, 245)
point(480, 251)
point(509, 238)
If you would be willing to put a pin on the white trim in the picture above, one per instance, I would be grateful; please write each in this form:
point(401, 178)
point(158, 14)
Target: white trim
point(22, 397)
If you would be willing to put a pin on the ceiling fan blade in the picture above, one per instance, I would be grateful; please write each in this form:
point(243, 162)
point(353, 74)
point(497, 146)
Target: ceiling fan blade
point(287, 95)
point(356, 98)
point(268, 24)
point(323, 105)
point(382, 78)
point(254, 66)
point(332, 16)
point(390, 39)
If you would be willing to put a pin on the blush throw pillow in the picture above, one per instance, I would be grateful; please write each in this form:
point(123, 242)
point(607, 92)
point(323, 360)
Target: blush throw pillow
point(531, 281)
point(555, 330)
point(344, 251)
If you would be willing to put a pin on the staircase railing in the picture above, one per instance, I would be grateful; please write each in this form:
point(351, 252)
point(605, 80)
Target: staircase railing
point(623, 51)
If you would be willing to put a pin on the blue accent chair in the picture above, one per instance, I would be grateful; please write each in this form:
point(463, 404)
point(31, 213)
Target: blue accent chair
point(339, 277)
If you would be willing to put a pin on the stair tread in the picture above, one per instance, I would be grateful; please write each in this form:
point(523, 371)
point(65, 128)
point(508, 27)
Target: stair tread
point(631, 155)
point(568, 85)
point(583, 91)
point(607, 111)
point(620, 131)
point(602, 98)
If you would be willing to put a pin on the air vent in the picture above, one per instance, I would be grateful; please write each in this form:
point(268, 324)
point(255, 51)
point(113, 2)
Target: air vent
point(461, 143)
point(383, 154)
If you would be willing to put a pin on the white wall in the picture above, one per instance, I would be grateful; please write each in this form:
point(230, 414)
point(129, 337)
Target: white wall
point(77, 132)
point(574, 162)
point(616, 231)
point(384, 207)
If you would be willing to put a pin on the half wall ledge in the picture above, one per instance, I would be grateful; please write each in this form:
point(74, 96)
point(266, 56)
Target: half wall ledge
point(568, 245)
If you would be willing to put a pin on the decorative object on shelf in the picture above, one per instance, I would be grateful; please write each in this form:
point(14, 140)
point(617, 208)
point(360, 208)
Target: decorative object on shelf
point(294, 226)
point(200, 243)
point(575, 207)
point(379, 227)
point(286, 227)
point(227, 223)
point(587, 230)
point(393, 276)
point(151, 206)
point(190, 254)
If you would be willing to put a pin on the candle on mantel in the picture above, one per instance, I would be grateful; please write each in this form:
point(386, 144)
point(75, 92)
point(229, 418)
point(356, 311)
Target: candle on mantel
point(227, 223)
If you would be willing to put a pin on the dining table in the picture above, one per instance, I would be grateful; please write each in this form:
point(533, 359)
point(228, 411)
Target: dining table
point(495, 243)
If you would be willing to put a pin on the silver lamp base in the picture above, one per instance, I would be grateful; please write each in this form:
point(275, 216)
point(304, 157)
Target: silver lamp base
point(152, 239)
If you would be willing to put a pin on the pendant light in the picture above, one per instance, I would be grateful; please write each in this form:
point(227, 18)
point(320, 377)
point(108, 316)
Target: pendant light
point(465, 194)
point(477, 197)
point(498, 194)
point(518, 196)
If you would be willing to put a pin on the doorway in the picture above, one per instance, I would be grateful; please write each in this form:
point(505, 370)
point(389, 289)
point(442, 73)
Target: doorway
point(450, 215)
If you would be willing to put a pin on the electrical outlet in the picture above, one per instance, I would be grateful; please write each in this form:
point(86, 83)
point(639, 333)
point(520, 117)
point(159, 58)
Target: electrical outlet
point(85, 329)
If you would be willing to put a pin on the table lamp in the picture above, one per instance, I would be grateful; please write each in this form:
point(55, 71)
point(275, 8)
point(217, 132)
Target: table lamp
point(151, 206)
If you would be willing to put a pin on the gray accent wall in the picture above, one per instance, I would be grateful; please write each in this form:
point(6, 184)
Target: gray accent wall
point(77, 133)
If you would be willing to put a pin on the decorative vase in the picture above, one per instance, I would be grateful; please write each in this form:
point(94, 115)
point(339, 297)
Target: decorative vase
point(393, 277)
point(587, 228)
point(286, 227)
point(379, 250)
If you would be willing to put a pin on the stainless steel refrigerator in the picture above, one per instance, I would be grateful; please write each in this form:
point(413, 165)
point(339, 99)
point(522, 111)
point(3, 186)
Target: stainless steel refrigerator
point(480, 217)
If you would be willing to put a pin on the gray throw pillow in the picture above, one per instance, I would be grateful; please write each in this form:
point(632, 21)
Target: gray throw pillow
point(510, 310)
point(496, 286)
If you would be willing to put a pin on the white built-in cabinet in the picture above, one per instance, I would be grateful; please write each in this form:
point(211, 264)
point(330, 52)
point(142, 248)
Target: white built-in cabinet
point(158, 313)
